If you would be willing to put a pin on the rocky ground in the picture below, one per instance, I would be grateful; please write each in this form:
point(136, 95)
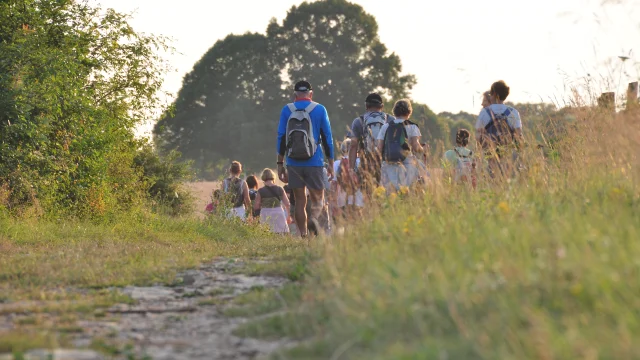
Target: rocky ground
point(183, 321)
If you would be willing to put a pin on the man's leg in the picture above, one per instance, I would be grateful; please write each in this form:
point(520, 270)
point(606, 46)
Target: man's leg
point(301, 210)
point(317, 208)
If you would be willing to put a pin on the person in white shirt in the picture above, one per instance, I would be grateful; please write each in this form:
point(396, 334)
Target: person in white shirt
point(499, 129)
point(399, 142)
point(498, 94)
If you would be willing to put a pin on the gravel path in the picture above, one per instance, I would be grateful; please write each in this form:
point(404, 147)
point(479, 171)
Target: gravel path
point(171, 323)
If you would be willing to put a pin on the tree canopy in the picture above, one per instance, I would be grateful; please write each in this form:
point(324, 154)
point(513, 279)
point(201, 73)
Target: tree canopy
point(229, 105)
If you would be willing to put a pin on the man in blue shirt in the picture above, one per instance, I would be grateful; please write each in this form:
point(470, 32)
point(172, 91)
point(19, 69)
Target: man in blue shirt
point(306, 174)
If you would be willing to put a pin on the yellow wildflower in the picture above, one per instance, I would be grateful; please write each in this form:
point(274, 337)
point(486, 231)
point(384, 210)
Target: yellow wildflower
point(504, 207)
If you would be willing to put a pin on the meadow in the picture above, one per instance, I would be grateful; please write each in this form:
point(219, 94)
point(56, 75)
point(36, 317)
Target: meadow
point(539, 266)
point(536, 266)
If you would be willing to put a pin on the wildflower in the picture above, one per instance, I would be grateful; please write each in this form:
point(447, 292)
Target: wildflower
point(404, 190)
point(379, 192)
point(504, 207)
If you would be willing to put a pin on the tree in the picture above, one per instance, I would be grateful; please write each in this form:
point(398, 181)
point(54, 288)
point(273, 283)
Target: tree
point(229, 104)
point(227, 107)
point(334, 44)
point(74, 82)
point(434, 129)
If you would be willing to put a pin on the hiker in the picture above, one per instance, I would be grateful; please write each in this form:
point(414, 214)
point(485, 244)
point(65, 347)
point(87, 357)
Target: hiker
point(398, 142)
point(364, 134)
point(499, 130)
point(238, 192)
point(252, 183)
point(346, 189)
point(459, 160)
point(303, 125)
point(270, 200)
point(486, 99)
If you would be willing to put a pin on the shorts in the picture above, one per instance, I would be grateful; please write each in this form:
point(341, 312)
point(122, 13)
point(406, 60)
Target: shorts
point(311, 177)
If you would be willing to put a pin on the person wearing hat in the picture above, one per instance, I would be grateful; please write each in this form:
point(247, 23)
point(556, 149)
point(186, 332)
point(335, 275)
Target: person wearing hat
point(363, 132)
point(306, 174)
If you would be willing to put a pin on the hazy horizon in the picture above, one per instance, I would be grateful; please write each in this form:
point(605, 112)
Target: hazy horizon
point(540, 49)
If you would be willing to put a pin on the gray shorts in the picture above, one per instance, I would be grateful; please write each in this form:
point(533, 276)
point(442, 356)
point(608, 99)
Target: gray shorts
point(306, 176)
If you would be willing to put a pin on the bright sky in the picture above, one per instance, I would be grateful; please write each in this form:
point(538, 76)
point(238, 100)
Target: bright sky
point(456, 48)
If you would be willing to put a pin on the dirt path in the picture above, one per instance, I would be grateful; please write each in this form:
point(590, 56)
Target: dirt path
point(182, 321)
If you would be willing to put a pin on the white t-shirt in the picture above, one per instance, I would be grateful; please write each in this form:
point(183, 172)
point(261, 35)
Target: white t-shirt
point(412, 130)
point(513, 119)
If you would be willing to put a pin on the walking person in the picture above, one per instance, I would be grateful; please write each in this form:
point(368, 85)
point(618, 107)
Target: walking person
point(399, 143)
point(273, 204)
point(459, 161)
point(303, 125)
point(499, 131)
point(238, 192)
point(252, 183)
point(364, 134)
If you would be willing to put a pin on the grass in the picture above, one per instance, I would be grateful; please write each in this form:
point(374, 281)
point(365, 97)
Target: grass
point(537, 267)
point(541, 266)
point(71, 267)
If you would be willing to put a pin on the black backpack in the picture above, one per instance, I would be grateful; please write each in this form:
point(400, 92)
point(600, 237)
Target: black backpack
point(498, 130)
point(396, 142)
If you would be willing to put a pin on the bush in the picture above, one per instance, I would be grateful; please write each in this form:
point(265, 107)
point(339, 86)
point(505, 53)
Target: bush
point(165, 176)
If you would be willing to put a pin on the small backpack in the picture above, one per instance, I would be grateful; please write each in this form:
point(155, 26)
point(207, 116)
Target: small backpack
point(371, 128)
point(464, 166)
point(233, 187)
point(396, 146)
point(301, 143)
point(498, 129)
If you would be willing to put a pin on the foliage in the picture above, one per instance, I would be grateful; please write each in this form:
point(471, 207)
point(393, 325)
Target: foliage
point(225, 101)
point(166, 176)
point(74, 82)
point(235, 93)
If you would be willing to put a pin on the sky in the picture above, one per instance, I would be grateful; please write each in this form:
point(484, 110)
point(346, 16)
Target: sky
point(456, 48)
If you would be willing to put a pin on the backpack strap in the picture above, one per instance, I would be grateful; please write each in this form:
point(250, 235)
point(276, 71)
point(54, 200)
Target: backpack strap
point(292, 107)
point(462, 156)
point(492, 116)
point(311, 106)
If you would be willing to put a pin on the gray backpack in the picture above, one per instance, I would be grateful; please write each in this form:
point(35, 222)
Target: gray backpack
point(301, 142)
point(371, 128)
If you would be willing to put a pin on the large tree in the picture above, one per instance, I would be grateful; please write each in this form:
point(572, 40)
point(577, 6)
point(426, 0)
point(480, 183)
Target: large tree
point(334, 44)
point(225, 109)
point(229, 105)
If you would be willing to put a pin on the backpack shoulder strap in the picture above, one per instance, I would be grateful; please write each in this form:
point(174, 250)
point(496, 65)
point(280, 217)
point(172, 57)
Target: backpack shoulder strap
point(311, 106)
point(292, 107)
point(491, 116)
point(457, 152)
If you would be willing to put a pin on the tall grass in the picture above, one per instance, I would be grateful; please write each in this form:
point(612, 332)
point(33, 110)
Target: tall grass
point(540, 266)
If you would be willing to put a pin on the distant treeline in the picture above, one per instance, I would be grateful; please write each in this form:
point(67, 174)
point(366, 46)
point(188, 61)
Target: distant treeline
point(229, 103)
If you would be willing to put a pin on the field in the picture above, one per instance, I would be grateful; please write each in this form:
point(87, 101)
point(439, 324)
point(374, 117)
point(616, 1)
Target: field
point(202, 191)
point(536, 266)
